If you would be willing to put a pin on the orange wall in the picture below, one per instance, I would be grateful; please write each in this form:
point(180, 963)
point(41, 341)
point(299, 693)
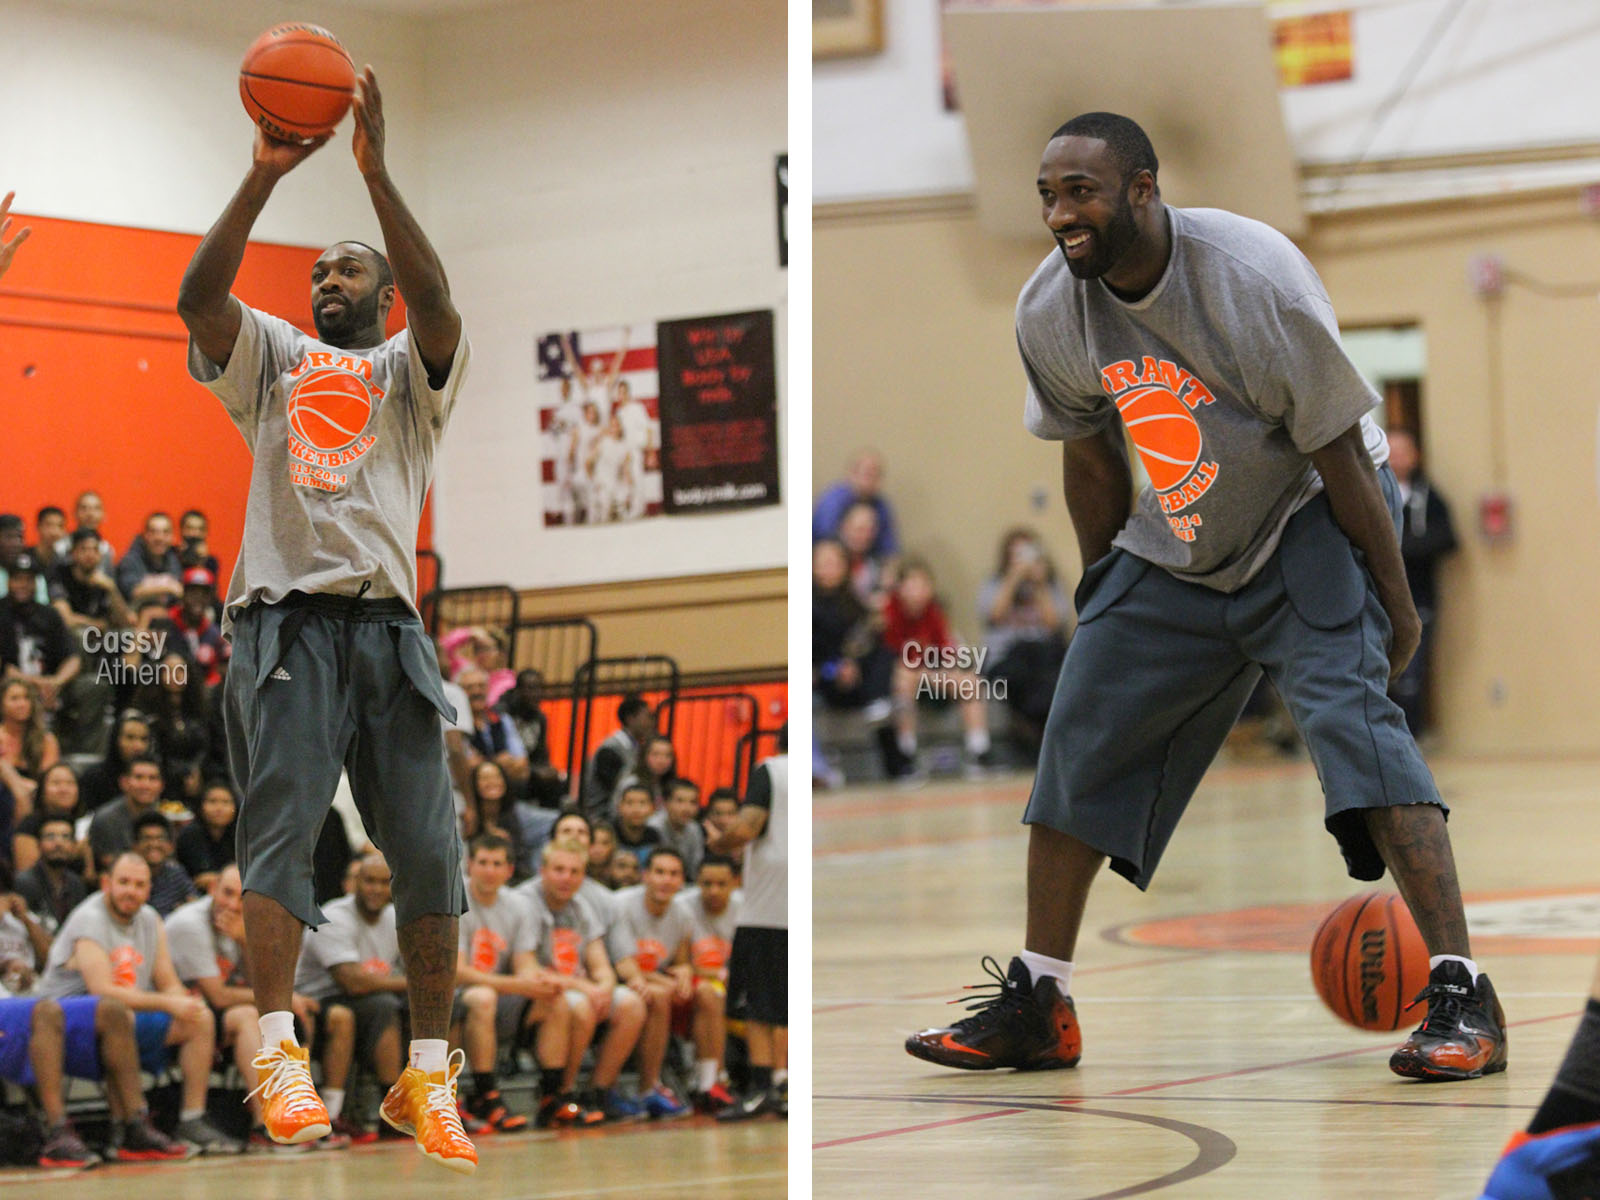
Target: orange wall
point(94, 393)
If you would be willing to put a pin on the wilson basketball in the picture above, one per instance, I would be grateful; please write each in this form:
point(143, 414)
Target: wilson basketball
point(328, 409)
point(1369, 961)
point(296, 82)
point(1166, 434)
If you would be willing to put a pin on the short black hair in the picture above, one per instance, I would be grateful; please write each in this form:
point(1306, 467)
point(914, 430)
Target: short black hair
point(10, 523)
point(127, 767)
point(632, 704)
point(717, 860)
point(49, 510)
point(662, 852)
point(723, 793)
point(1128, 143)
point(489, 843)
point(57, 819)
point(194, 512)
point(159, 820)
point(79, 536)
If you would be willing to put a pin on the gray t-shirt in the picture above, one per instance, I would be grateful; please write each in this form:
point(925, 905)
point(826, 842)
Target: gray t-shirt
point(132, 949)
point(198, 951)
point(343, 442)
point(641, 935)
point(710, 937)
point(565, 934)
point(1226, 376)
point(344, 938)
point(689, 842)
point(491, 934)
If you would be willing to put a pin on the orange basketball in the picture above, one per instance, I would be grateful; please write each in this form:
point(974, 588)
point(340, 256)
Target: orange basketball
point(1166, 434)
point(296, 82)
point(329, 408)
point(1368, 961)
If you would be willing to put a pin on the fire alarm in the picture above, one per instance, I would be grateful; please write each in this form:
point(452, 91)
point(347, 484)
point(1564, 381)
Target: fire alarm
point(1494, 516)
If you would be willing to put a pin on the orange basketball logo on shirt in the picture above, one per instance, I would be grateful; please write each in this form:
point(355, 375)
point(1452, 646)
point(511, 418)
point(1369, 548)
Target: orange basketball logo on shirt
point(487, 946)
point(649, 954)
point(329, 408)
point(710, 953)
point(125, 964)
point(1156, 399)
point(1167, 437)
point(564, 947)
point(376, 966)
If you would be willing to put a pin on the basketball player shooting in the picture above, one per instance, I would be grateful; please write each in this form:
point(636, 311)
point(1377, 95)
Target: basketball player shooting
point(331, 668)
point(1266, 541)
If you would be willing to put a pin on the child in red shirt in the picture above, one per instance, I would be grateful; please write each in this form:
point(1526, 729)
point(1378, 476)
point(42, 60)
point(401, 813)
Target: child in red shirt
point(931, 662)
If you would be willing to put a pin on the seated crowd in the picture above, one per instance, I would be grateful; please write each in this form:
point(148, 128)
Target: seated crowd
point(121, 916)
point(882, 645)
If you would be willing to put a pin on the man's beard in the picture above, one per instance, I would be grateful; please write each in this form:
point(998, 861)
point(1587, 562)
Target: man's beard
point(345, 322)
point(1110, 244)
point(64, 859)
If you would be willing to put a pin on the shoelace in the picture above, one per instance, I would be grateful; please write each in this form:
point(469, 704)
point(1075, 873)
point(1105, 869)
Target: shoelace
point(283, 1074)
point(439, 1099)
point(988, 1008)
point(1444, 1017)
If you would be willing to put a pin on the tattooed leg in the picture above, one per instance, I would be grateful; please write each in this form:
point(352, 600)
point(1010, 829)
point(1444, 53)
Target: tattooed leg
point(1416, 849)
point(428, 946)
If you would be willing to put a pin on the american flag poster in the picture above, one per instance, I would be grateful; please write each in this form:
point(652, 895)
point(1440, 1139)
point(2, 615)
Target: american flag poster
point(600, 424)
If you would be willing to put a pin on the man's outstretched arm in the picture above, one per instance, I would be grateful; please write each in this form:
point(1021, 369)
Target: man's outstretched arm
point(204, 302)
point(435, 323)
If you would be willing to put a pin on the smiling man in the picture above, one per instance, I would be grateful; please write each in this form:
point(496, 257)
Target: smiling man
point(331, 668)
point(1265, 540)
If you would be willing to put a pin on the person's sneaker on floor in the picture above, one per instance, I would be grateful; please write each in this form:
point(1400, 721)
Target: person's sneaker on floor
point(207, 1138)
point(591, 1108)
point(1464, 1033)
point(1556, 1165)
point(424, 1104)
point(618, 1107)
point(139, 1140)
point(491, 1111)
point(557, 1111)
point(660, 1104)
point(64, 1148)
point(978, 766)
point(751, 1104)
point(291, 1110)
point(1026, 1025)
point(473, 1125)
point(714, 1100)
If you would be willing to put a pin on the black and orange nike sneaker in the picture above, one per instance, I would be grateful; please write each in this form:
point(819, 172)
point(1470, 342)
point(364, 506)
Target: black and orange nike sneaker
point(1026, 1025)
point(1464, 1035)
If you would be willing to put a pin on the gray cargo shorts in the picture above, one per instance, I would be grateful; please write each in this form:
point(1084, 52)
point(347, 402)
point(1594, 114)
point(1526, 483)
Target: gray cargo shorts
point(1159, 670)
point(319, 683)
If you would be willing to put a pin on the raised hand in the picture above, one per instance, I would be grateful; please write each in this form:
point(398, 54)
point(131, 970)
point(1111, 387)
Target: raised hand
point(368, 110)
point(8, 248)
point(282, 157)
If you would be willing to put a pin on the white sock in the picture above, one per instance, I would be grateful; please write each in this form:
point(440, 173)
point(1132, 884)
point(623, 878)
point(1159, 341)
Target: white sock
point(190, 1114)
point(705, 1074)
point(277, 1028)
point(907, 743)
point(429, 1054)
point(977, 742)
point(1472, 967)
point(334, 1099)
point(1039, 966)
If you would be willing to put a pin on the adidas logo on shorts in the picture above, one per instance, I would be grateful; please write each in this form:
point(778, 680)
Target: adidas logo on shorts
point(280, 673)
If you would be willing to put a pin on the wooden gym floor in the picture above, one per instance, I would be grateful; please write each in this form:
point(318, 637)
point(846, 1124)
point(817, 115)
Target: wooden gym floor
point(1210, 1068)
point(692, 1158)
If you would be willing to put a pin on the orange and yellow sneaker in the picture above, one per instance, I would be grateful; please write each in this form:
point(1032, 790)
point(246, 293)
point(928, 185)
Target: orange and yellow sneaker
point(290, 1107)
point(424, 1105)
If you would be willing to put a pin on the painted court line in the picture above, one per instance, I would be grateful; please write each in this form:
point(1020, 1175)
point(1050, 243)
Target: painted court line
point(883, 1133)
